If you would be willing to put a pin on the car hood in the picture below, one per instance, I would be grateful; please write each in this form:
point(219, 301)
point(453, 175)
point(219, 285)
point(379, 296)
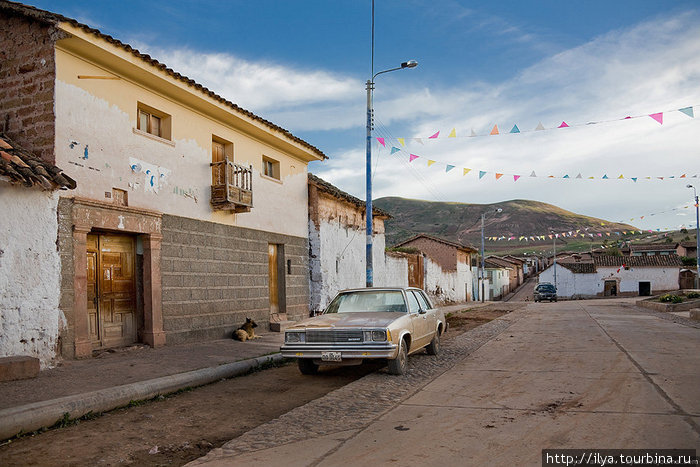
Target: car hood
point(350, 320)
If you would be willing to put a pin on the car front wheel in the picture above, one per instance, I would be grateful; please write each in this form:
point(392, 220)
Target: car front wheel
point(399, 365)
point(434, 347)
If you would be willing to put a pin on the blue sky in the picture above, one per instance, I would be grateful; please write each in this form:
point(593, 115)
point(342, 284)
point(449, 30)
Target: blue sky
point(303, 64)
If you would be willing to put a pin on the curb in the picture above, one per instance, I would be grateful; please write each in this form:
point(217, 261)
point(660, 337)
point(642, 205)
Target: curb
point(37, 415)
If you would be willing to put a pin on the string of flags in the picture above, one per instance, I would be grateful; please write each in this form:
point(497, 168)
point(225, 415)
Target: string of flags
point(656, 116)
point(570, 234)
point(661, 212)
point(402, 142)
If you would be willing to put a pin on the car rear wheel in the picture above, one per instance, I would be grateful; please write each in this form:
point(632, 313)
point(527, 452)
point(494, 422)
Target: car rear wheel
point(307, 366)
point(399, 365)
point(434, 347)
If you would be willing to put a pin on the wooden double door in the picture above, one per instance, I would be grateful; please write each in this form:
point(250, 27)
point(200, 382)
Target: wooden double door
point(111, 290)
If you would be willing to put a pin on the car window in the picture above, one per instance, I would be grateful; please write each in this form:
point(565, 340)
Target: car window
point(368, 301)
point(413, 305)
point(421, 300)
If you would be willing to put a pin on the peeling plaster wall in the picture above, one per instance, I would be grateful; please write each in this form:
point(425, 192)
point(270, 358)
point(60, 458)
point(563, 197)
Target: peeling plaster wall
point(447, 286)
point(337, 246)
point(29, 274)
point(98, 145)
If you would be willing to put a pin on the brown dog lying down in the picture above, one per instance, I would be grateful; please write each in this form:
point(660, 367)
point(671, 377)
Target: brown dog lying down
point(246, 331)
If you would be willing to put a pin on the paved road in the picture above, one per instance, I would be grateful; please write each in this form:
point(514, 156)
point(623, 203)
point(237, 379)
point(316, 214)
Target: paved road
point(525, 291)
point(581, 374)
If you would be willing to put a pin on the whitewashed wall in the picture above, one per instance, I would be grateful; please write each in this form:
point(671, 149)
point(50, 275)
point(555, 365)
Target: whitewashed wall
point(29, 274)
point(499, 282)
point(590, 285)
point(448, 286)
point(338, 262)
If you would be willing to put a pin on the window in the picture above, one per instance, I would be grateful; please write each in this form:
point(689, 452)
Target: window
point(271, 168)
point(153, 122)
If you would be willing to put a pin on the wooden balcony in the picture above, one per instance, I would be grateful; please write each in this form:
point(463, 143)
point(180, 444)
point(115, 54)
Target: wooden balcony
point(232, 186)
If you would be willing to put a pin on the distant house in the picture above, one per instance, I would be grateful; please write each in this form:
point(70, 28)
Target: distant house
point(449, 273)
point(514, 270)
point(652, 249)
point(615, 275)
point(498, 279)
point(687, 249)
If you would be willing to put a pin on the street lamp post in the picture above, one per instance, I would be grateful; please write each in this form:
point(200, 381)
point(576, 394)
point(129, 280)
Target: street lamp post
point(483, 216)
point(697, 235)
point(368, 169)
point(554, 240)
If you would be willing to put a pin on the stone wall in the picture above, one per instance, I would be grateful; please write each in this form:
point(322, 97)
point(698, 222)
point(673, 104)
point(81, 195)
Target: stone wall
point(216, 275)
point(27, 79)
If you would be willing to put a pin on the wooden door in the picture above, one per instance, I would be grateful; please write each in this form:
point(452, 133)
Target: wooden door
point(111, 291)
point(274, 279)
point(218, 157)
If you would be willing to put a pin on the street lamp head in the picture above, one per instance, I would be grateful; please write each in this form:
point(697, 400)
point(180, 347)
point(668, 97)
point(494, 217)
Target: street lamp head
point(409, 64)
point(689, 186)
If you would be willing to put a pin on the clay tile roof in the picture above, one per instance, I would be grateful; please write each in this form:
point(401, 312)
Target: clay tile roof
point(336, 192)
point(55, 18)
point(492, 264)
point(500, 262)
point(652, 247)
point(639, 261)
point(459, 246)
point(23, 167)
point(579, 268)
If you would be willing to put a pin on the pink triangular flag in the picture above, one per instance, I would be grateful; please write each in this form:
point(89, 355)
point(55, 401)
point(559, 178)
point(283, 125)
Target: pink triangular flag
point(381, 141)
point(434, 136)
point(659, 117)
point(412, 157)
point(563, 125)
point(516, 177)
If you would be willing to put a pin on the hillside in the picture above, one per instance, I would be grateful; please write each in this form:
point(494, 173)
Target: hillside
point(462, 222)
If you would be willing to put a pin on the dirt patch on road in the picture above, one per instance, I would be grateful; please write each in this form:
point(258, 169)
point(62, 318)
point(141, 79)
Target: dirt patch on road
point(469, 319)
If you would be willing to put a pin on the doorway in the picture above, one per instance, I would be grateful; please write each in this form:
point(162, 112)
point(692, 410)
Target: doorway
point(645, 289)
point(610, 289)
point(111, 290)
point(278, 305)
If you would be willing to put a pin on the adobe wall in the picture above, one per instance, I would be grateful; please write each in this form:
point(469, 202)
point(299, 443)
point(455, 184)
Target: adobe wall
point(27, 81)
point(442, 254)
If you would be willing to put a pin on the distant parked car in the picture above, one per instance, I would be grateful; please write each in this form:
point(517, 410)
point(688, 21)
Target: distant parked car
point(545, 291)
point(369, 323)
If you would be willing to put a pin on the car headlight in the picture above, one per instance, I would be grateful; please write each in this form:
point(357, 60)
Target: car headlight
point(294, 336)
point(376, 336)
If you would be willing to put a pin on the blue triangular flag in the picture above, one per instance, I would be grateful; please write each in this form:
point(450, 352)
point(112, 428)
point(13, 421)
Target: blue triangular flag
point(688, 111)
point(449, 167)
point(515, 129)
point(566, 176)
point(481, 174)
point(634, 179)
point(605, 176)
point(394, 150)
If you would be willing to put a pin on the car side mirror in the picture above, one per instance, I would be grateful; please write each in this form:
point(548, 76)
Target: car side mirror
point(421, 311)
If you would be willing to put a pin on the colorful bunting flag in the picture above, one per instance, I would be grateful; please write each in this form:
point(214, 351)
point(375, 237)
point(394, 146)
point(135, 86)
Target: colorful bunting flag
point(481, 174)
point(494, 131)
point(498, 176)
point(430, 162)
point(434, 136)
point(381, 141)
point(659, 117)
point(453, 134)
point(563, 125)
point(515, 129)
point(466, 171)
point(539, 127)
point(449, 167)
point(394, 150)
point(412, 157)
point(688, 111)
point(401, 141)
point(516, 177)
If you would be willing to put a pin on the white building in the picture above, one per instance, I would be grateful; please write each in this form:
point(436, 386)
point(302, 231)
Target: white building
point(615, 275)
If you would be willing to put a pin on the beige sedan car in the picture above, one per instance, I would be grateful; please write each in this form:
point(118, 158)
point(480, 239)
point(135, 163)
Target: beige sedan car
point(371, 323)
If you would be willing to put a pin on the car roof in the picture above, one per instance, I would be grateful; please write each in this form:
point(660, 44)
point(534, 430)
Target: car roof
point(379, 289)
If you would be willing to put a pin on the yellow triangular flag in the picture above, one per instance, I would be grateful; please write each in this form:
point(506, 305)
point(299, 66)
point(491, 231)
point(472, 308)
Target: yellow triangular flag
point(620, 177)
point(401, 141)
point(453, 134)
point(466, 171)
point(430, 163)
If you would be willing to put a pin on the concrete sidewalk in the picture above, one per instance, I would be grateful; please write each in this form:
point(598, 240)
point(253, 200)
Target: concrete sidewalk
point(112, 379)
point(578, 375)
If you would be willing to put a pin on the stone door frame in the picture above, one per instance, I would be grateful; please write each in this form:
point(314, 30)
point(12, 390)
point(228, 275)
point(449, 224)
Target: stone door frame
point(88, 216)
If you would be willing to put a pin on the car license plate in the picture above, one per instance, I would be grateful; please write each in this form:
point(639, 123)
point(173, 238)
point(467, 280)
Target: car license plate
point(331, 357)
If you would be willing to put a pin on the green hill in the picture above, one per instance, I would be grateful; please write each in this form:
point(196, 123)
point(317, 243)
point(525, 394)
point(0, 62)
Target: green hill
point(462, 222)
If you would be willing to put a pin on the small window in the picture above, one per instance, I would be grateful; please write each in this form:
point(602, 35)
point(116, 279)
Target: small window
point(421, 299)
point(120, 197)
point(153, 122)
point(271, 168)
point(413, 306)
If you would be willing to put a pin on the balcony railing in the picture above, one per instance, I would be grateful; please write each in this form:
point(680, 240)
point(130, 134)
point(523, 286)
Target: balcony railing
point(232, 186)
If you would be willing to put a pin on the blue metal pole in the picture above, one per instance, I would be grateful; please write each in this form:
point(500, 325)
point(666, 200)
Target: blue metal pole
point(368, 203)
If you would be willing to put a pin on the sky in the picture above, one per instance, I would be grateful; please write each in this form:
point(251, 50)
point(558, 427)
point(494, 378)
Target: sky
point(303, 65)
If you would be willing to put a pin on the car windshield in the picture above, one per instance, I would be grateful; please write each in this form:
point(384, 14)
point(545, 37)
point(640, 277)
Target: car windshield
point(369, 301)
point(546, 288)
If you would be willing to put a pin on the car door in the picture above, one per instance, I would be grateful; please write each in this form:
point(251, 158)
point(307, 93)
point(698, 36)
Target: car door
point(430, 313)
point(419, 321)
